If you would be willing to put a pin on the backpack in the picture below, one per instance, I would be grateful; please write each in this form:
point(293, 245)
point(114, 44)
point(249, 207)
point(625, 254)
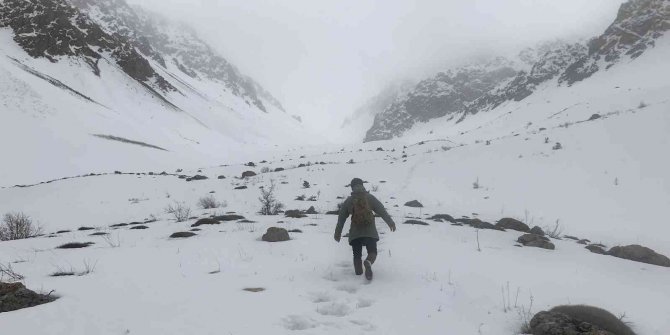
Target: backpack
point(361, 213)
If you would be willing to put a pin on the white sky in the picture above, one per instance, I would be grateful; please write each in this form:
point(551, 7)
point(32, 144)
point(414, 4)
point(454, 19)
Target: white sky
point(323, 58)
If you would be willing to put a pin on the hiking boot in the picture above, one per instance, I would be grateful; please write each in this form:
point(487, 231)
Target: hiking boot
point(368, 269)
point(358, 266)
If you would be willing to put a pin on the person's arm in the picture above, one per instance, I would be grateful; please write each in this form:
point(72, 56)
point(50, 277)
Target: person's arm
point(342, 218)
point(378, 208)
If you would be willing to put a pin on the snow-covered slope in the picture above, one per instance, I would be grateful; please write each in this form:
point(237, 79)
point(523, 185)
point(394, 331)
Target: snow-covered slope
point(103, 68)
point(482, 87)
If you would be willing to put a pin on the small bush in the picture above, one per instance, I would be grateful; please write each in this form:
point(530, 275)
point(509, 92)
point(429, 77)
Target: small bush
point(208, 202)
point(265, 169)
point(75, 245)
point(554, 232)
point(16, 226)
point(8, 274)
point(179, 210)
point(305, 184)
point(269, 203)
point(374, 188)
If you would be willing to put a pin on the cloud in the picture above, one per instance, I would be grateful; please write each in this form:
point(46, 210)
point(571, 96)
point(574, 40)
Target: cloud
point(323, 58)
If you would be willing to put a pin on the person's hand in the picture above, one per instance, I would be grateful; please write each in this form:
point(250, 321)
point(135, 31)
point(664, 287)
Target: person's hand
point(337, 237)
point(392, 227)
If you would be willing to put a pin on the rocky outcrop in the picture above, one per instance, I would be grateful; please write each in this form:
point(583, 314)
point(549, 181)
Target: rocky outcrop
point(15, 296)
point(275, 234)
point(639, 253)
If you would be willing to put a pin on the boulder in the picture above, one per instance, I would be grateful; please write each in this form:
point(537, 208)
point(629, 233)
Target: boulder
point(577, 320)
point(532, 240)
point(594, 117)
point(197, 177)
point(221, 177)
point(416, 222)
point(639, 253)
point(204, 221)
point(15, 296)
point(537, 231)
point(140, 227)
point(442, 217)
point(247, 174)
point(275, 234)
point(85, 228)
point(279, 169)
point(413, 203)
point(243, 187)
point(596, 249)
point(311, 210)
point(182, 234)
point(514, 224)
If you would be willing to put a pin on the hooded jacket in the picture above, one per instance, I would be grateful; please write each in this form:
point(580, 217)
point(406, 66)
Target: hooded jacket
point(367, 230)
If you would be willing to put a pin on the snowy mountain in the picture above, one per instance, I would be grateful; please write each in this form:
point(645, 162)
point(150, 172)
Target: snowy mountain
point(465, 91)
point(78, 68)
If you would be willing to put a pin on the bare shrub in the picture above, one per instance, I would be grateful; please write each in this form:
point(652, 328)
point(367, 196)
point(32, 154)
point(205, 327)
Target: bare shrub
point(265, 169)
point(111, 241)
point(554, 232)
point(8, 274)
point(16, 226)
point(476, 185)
point(208, 202)
point(269, 203)
point(179, 210)
point(374, 188)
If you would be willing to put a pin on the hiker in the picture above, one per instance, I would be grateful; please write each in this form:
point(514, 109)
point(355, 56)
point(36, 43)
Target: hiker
point(362, 230)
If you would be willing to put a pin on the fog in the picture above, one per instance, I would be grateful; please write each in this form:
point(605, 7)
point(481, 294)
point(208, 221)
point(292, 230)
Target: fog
point(324, 58)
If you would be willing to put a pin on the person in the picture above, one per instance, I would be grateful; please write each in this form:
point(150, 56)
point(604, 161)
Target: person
point(362, 230)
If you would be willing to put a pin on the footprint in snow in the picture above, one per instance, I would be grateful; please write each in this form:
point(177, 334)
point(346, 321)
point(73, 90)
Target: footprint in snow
point(367, 326)
point(349, 288)
point(298, 322)
point(364, 302)
point(318, 297)
point(334, 309)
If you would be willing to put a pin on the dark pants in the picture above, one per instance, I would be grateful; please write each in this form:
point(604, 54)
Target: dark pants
point(369, 243)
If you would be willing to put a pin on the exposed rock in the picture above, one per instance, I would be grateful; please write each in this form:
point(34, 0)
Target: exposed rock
point(532, 240)
point(537, 231)
point(15, 296)
point(116, 225)
point(416, 222)
point(509, 223)
point(571, 237)
point(100, 233)
point(413, 203)
point(311, 210)
point(442, 217)
point(295, 231)
point(205, 221)
point(67, 231)
point(275, 234)
point(86, 228)
point(221, 177)
point(182, 234)
point(247, 174)
point(197, 177)
point(140, 227)
point(243, 187)
point(228, 217)
point(578, 320)
point(583, 241)
point(75, 245)
point(639, 253)
point(279, 169)
point(478, 224)
point(294, 213)
point(596, 249)
point(594, 117)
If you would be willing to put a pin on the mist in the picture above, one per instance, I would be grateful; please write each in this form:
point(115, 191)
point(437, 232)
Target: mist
point(322, 59)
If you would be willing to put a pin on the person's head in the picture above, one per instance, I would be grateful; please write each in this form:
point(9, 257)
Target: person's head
point(357, 185)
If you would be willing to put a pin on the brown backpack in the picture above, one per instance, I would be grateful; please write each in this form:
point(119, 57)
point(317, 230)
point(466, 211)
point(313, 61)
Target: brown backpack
point(361, 212)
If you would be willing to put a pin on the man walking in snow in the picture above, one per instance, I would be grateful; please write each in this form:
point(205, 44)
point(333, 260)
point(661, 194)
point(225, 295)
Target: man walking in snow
point(362, 231)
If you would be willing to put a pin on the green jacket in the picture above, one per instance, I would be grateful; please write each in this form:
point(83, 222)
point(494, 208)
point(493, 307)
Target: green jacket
point(368, 230)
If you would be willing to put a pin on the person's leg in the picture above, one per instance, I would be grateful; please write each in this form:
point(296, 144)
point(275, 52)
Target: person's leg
point(357, 247)
point(371, 246)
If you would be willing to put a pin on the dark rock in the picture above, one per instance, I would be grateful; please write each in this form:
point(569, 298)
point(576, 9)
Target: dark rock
point(311, 210)
point(246, 221)
point(583, 241)
point(100, 233)
point(532, 240)
point(15, 296)
point(639, 253)
point(596, 249)
point(196, 229)
point(279, 169)
point(595, 117)
point(247, 174)
point(571, 237)
point(182, 234)
point(228, 217)
point(135, 223)
point(275, 234)
point(250, 164)
point(578, 320)
point(537, 231)
point(295, 231)
point(140, 227)
point(442, 217)
point(118, 225)
point(478, 224)
point(75, 245)
point(243, 187)
point(294, 213)
point(207, 221)
point(416, 222)
point(509, 223)
point(197, 177)
point(413, 203)
point(221, 177)
point(62, 231)
point(86, 228)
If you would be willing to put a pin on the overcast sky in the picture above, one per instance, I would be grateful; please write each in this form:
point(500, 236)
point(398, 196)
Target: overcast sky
point(323, 58)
